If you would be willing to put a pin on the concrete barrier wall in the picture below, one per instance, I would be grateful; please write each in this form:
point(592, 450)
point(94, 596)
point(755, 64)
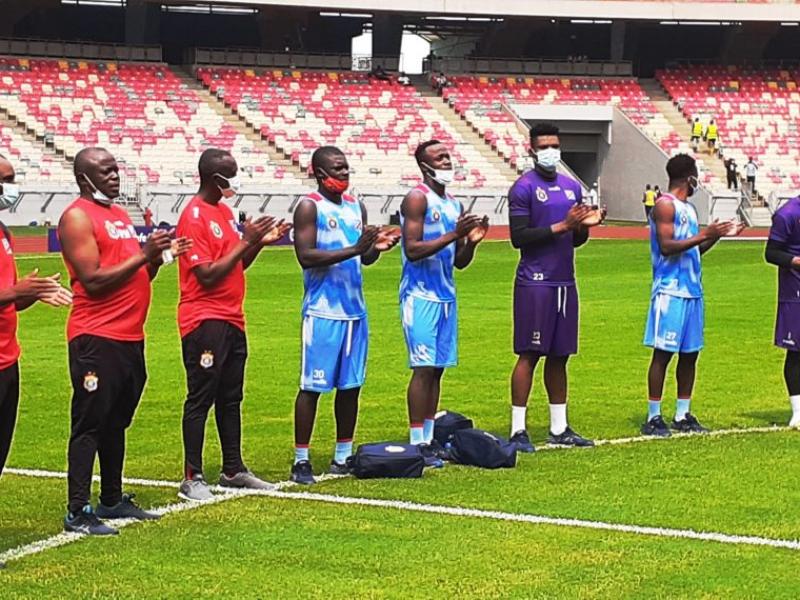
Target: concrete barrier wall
point(630, 162)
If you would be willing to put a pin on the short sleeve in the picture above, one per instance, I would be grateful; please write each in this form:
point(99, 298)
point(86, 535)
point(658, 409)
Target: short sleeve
point(519, 201)
point(781, 229)
point(579, 194)
point(196, 230)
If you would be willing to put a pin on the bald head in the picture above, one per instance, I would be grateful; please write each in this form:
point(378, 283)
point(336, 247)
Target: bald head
point(95, 170)
point(7, 173)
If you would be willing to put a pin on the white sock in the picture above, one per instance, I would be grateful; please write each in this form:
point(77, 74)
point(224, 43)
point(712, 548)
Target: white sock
point(518, 418)
point(795, 420)
point(558, 418)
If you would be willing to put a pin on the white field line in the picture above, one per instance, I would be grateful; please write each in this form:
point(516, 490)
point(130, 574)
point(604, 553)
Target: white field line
point(224, 494)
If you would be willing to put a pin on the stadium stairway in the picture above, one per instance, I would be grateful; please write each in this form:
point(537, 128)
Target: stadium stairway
point(28, 135)
point(239, 124)
point(675, 118)
point(468, 133)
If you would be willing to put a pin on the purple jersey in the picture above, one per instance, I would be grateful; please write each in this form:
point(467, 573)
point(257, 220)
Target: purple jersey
point(786, 230)
point(544, 203)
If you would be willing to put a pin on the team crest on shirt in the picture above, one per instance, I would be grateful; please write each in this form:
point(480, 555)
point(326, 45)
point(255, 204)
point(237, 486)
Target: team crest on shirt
point(216, 229)
point(90, 381)
point(333, 223)
point(541, 195)
point(207, 359)
point(436, 216)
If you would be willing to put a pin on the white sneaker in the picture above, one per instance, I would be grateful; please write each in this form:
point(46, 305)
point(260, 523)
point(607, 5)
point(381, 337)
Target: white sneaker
point(795, 421)
point(245, 480)
point(195, 489)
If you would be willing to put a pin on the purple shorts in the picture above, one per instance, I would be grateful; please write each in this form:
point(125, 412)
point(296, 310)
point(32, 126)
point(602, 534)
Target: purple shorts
point(545, 320)
point(787, 326)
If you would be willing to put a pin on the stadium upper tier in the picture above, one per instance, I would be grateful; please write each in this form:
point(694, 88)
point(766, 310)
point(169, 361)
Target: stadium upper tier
point(143, 113)
point(378, 123)
point(757, 111)
point(483, 102)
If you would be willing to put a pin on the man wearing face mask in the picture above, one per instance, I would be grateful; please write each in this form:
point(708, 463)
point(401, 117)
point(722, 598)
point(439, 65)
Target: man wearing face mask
point(437, 236)
point(16, 295)
point(548, 220)
point(211, 321)
point(332, 241)
point(675, 320)
point(110, 275)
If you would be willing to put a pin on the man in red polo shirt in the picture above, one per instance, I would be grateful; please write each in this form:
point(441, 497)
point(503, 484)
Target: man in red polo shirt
point(211, 321)
point(110, 274)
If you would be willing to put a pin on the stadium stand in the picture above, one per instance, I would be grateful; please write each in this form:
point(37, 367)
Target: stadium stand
point(758, 113)
point(378, 123)
point(32, 162)
point(482, 101)
point(143, 113)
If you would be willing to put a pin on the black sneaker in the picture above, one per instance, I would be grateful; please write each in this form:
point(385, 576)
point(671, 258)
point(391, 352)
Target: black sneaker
point(87, 523)
point(569, 438)
point(522, 441)
point(126, 509)
point(338, 468)
point(302, 473)
point(429, 454)
point(689, 424)
point(656, 427)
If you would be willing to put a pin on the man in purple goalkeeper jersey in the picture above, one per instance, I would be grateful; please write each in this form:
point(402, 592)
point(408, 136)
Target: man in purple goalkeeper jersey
point(783, 250)
point(548, 220)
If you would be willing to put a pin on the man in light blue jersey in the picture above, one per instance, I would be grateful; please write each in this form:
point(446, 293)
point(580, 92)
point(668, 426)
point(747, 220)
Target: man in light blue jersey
point(332, 240)
point(675, 320)
point(437, 236)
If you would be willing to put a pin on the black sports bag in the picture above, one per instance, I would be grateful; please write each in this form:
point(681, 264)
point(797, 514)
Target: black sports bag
point(386, 459)
point(480, 448)
point(447, 423)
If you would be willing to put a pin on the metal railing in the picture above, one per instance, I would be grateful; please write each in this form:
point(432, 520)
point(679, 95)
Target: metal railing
point(529, 66)
point(288, 60)
point(67, 49)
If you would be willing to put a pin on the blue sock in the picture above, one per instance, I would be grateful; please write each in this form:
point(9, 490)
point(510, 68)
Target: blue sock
point(427, 430)
point(416, 435)
point(344, 448)
point(300, 453)
point(681, 408)
point(653, 408)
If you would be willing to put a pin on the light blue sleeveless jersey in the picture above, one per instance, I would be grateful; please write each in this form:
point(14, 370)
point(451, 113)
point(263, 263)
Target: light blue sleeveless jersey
point(431, 278)
point(335, 291)
point(677, 275)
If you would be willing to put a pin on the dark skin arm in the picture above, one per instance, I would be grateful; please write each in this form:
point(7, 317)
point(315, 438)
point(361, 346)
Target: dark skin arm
point(305, 240)
point(211, 274)
point(465, 249)
point(413, 209)
point(664, 217)
point(80, 250)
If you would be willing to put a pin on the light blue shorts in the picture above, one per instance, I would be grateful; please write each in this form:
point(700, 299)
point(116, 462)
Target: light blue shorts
point(675, 324)
point(431, 332)
point(334, 354)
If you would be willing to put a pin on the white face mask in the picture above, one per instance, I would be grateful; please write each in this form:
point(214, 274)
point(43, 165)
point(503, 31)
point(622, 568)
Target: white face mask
point(441, 176)
point(548, 158)
point(9, 196)
point(234, 185)
point(97, 194)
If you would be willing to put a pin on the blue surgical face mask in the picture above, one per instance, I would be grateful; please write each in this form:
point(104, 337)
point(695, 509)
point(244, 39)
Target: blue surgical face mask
point(548, 158)
point(9, 196)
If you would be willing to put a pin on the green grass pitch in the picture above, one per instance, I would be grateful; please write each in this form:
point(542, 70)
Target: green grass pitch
point(269, 548)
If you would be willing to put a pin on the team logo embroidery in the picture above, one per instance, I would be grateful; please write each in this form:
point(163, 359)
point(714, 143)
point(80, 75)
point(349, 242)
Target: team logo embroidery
point(207, 359)
point(394, 449)
point(333, 223)
point(570, 194)
point(111, 230)
point(90, 382)
point(436, 216)
point(216, 229)
point(541, 195)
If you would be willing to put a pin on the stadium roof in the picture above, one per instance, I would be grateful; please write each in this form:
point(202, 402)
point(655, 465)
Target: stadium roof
point(719, 10)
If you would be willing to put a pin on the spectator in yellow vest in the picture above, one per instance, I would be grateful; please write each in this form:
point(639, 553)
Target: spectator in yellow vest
point(711, 136)
point(697, 132)
point(649, 201)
